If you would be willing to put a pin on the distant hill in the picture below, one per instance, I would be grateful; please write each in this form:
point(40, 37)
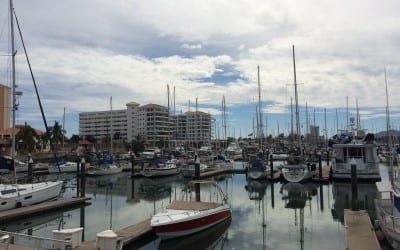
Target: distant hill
point(393, 132)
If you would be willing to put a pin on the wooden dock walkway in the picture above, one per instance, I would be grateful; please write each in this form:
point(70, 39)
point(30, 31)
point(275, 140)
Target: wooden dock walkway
point(221, 171)
point(360, 234)
point(326, 171)
point(40, 208)
point(127, 235)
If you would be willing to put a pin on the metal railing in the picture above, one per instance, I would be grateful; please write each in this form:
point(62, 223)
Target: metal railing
point(32, 242)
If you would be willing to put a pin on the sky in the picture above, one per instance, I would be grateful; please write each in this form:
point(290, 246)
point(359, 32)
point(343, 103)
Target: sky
point(83, 52)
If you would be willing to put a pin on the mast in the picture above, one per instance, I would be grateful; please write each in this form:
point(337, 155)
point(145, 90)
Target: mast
point(13, 86)
point(291, 119)
point(224, 120)
point(387, 114)
point(111, 127)
point(260, 129)
point(296, 99)
point(63, 126)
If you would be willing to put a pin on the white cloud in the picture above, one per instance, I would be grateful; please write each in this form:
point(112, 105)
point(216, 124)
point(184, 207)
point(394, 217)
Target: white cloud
point(191, 46)
point(89, 50)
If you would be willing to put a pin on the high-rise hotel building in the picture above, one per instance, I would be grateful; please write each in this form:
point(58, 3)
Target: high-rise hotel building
point(150, 122)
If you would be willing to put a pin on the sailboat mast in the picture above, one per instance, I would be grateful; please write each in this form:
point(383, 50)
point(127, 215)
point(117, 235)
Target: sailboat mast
point(13, 86)
point(387, 115)
point(296, 98)
point(260, 129)
point(111, 127)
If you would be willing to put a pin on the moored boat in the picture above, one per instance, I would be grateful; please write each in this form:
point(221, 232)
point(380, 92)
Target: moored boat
point(188, 217)
point(361, 152)
point(105, 169)
point(161, 169)
point(63, 167)
point(19, 195)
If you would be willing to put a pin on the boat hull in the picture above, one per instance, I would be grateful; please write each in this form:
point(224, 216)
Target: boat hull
point(154, 172)
point(104, 171)
point(257, 175)
point(69, 167)
point(29, 194)
point(191, 224)
point(296, 174)
point(388, 217)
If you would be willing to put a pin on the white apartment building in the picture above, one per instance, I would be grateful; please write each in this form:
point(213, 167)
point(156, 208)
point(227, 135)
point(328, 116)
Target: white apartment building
point(103, 124)
point(150, 122)
point(198, 128)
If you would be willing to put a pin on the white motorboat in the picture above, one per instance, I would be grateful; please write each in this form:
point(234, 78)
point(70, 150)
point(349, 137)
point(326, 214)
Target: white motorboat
point(188, 217)
point(19, 195)
point(64, 167)
point(360, 152)
point(104, 169)
point(189, 170)
point(161, 169)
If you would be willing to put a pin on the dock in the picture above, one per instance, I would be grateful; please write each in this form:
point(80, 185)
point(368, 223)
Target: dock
point(360, 234)
point(17, 213)
point(127, 235)
point(325, 177)
point(221, 171)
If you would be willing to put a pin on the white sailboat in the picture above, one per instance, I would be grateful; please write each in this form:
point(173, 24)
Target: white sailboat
point(388, 204)
point(296, 169)
point(18, 195)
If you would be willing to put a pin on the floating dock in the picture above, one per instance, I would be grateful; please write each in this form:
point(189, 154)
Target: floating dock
point(127, 235)
point(360, 234)
point(40, 208)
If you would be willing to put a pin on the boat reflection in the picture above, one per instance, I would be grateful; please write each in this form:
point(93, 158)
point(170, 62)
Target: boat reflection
point(30, 224)
point(154, 189)
point(296, 196)
point(256, 188)
point(342, 195)
point(256, 191)
point(206, 239)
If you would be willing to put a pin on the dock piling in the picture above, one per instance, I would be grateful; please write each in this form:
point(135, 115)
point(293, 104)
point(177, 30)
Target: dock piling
point(354, 188)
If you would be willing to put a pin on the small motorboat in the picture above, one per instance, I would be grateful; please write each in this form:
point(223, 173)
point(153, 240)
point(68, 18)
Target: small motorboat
point(188, 217)
point(63, 167)
point(104, 169)
point(161, 169)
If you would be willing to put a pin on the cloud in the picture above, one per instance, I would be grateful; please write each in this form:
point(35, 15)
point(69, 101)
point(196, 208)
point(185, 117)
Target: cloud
point(84, 52)
point(191, 46)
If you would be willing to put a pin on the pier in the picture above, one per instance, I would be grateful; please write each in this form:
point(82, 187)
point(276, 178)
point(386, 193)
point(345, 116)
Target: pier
point(127, 235)
point(360, 234)
point(40, 208)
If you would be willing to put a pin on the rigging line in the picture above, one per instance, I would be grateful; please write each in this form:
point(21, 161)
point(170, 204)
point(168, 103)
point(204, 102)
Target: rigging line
point(37, 93)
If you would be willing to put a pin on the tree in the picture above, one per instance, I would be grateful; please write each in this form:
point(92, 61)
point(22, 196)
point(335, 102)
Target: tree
point(90, 138)
point(56, 134)
point(75, 139)
point(27, 135)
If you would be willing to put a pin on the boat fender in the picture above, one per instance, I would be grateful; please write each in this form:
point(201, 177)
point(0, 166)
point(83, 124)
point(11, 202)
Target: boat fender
point(18, 205)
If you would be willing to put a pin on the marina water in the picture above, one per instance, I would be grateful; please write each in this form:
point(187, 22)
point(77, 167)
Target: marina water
point(265, 215)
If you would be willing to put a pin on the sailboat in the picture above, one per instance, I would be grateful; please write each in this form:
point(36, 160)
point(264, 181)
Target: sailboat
point(106, 165)
point(258, 167)
point(388, 205)
point(295, 169)
point(18, 195)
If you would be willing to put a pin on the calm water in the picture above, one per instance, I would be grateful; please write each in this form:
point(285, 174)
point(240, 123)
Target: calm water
point(264, 215)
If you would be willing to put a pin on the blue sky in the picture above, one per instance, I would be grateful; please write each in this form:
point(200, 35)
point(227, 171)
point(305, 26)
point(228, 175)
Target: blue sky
point(83, 52)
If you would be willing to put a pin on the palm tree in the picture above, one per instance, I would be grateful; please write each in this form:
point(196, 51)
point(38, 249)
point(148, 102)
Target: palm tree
point(56, 133)
point(27, 135)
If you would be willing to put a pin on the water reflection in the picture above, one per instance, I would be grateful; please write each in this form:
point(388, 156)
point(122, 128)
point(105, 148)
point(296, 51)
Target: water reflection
point(206, 239)
point(256, 190)
point(342, 195)
point(296, 196)
point(265, 215)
